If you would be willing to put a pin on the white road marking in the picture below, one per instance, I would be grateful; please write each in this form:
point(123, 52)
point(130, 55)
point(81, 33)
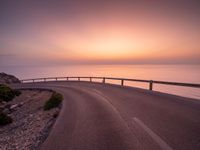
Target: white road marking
point(153, 135)
point(97, 91)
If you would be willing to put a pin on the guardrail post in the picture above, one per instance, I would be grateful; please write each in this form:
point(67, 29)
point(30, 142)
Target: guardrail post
point(122, 82)
point(56, 79)
point(67, 79)
point(33, 80)
point(104, 80)
point(90, 79)
point(44, 79)
point(151, 85)
point(78, 78)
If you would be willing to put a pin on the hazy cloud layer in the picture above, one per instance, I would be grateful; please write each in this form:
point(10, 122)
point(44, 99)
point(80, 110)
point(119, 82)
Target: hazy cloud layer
point(103, 32)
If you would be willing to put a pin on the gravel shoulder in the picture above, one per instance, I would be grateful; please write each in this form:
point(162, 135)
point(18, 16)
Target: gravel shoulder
point(31, 124)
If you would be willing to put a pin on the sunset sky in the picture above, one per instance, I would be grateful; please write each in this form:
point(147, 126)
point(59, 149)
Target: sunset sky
point(34, 32)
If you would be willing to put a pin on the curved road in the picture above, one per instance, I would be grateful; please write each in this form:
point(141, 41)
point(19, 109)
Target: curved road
point(99, 116)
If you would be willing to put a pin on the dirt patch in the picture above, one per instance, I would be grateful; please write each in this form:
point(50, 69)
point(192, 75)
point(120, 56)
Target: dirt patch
point(31, 124)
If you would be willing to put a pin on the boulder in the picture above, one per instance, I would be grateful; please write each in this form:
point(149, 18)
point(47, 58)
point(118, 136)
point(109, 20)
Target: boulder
point(7, 79)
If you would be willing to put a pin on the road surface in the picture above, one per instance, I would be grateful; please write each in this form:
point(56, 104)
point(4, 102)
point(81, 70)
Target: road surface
point(97, 116)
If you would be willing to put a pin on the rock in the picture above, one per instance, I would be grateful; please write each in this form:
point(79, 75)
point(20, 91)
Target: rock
point(5, 108)
point(14, 106)
point(1, 108)
point(6, 79)
point(3, 102)
point(31, 115)
point(8, 106)
point(55, 115)
point(6, 111)
point(21, 104)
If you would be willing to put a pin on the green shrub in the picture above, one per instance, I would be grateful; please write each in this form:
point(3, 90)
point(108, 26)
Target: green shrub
point(17, 92)
point(4, 119)
point(54, 101)
point(7, 94)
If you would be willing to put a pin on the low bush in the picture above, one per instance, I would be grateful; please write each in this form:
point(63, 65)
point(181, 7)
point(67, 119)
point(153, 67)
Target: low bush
point(17, 92)
point(7, 94)
point(54, 101)
point(4, 119)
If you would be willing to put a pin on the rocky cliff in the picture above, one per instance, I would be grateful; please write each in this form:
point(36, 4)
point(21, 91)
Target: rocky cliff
point(6, 78)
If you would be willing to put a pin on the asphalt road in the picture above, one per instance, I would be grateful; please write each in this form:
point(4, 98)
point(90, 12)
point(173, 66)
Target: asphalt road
point(97, 116)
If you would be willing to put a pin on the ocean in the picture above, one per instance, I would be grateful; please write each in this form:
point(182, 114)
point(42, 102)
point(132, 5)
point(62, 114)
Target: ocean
point(172, 73)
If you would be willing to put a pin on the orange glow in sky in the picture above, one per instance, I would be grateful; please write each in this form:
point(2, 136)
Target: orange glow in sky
point(101, 32)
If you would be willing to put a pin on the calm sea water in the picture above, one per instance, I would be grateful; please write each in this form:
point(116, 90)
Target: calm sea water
point(176, 73)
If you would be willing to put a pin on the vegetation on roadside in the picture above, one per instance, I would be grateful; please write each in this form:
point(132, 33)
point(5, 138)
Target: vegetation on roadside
point(7, 94)
point(17, 92)
point(5, 119)
point(54, 101)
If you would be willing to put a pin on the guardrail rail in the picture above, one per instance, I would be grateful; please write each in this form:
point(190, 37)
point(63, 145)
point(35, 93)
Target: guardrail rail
point(150, 82)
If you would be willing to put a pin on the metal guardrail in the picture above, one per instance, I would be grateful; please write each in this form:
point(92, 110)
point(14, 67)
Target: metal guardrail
point(150, 82)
